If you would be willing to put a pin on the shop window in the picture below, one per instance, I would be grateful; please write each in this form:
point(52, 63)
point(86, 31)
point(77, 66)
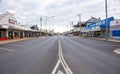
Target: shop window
point(2, 34)
point(16, 34)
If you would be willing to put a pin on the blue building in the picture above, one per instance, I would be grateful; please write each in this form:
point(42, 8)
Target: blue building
point(98, 29)
point(115, 28)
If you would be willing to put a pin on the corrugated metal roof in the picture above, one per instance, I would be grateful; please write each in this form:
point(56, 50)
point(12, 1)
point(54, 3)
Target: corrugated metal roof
point(92, 19)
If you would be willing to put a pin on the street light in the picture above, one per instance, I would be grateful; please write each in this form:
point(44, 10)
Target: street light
point(46, 22)
point(47, 19)
point(67, 28)
point(71, 24)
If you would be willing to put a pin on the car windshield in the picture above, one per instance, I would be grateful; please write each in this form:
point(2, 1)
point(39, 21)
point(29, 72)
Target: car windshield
point(59, 36)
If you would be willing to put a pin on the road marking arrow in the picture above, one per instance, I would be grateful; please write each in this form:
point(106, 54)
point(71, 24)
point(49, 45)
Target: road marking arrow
point(60, 72)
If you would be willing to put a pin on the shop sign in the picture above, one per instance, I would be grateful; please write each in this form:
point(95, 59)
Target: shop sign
point(11, 21)
point(115, 22)
point(100, 24)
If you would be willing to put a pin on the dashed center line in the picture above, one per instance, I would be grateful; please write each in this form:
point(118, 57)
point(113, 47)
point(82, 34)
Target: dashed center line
point(6, 49)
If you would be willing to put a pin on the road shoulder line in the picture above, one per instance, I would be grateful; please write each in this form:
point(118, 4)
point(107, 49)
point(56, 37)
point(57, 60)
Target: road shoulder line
point(2, 48)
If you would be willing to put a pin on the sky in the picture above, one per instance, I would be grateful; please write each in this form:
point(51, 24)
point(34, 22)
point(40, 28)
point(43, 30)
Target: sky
point(64, 11)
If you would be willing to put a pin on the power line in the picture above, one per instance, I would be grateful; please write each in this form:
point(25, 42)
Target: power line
point(114, 9)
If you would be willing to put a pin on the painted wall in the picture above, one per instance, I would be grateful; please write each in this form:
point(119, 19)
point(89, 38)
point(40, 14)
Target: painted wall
point(7, 18)
point(115, 28)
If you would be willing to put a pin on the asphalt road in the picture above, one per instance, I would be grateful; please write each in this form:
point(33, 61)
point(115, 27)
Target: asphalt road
point(40, 55)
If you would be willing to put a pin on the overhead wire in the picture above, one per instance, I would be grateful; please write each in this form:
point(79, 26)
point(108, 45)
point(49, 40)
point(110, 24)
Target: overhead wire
point(114, 9)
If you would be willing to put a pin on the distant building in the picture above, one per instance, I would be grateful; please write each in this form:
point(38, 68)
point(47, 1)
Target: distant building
point(35, 27)
point(92, 20)
point(79, 28)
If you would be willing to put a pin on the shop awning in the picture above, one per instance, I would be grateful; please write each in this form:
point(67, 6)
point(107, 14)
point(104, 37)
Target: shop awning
point(4, 26)
point(16, 27)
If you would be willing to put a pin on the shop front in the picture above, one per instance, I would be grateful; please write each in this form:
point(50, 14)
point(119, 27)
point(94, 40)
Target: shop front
point(3, 34)
point(98, 29)
point(10, 34)
point(13, 34)
point(115, 28)
point(9, 29)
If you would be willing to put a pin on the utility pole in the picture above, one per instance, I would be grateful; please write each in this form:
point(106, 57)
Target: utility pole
point(40, 25)
point(79, 15)
point(106, 11)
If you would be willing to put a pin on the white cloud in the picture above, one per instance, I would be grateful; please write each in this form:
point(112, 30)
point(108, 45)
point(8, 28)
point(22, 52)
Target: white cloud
point(63, 10)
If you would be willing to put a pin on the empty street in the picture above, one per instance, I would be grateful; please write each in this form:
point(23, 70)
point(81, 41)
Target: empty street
point(60, 55)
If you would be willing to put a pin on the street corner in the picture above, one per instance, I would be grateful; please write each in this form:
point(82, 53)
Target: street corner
point(117, 51)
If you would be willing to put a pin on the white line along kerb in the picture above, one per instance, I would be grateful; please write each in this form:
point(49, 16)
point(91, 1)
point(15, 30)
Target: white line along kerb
point(62, 61)
point(6, 49)
point(17, 45)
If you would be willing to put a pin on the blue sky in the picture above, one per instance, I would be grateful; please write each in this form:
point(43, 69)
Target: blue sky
point(65, 11)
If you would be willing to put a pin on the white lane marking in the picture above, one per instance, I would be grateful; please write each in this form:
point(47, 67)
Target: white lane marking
point(64, 64)
point(6, 49)
point(17, 45)
point(117, 51)
point(62, 61)
point(26, 43)
point(60, 72)
point(56, 66)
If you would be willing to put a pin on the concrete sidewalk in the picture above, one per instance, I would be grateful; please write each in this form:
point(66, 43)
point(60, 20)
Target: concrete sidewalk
point(110, 39)
point(15, 40)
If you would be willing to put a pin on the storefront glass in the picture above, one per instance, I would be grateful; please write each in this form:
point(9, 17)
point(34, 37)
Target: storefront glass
point(2, 33)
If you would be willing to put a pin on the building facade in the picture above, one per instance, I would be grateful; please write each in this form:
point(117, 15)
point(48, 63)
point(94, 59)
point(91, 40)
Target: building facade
point(9, 29)
point(85, 29)
point(98, 29)
point(115, 29)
